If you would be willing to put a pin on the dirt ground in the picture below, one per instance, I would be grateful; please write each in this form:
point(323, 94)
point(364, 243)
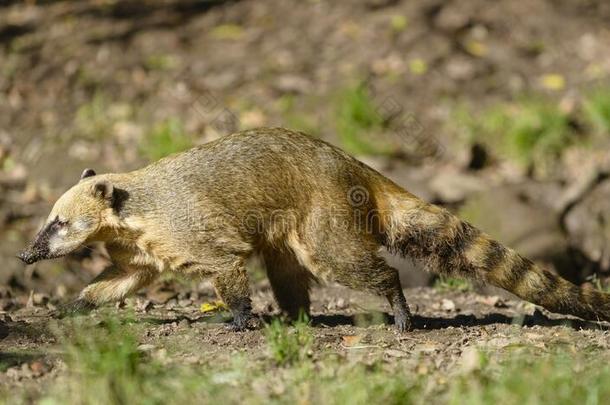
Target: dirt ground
point(447, 325)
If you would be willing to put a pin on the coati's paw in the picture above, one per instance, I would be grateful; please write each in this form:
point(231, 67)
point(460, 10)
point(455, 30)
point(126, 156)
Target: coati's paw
point(76, 307)
point(242, 322)
point(402, 322)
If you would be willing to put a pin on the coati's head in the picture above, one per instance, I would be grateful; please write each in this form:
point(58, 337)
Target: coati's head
point(76, 217)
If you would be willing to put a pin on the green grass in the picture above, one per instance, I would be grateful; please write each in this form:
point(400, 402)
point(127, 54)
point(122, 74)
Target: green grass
point(445, 283)
point(104, 366)
point(165, 138)
point(95, 120)
point(532, 132)
point(288, 345)
point(398, 23)
point(596, 110)
point(555, 378)
point(92, 120)
point(227, 32)
point(358, 121)
point(160, 62)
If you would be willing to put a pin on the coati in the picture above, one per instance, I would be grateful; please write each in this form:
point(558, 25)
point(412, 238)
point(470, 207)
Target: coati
point(312, 211)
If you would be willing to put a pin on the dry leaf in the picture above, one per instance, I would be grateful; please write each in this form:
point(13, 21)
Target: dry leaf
point(351, 340)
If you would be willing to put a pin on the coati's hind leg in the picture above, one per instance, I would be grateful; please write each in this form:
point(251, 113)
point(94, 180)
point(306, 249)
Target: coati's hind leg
point(355, 263)
point(290, 282)
point(402, 314)
point(372, 273)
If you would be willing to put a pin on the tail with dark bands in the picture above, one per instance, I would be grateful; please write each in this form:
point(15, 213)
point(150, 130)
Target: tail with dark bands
point(450, 246)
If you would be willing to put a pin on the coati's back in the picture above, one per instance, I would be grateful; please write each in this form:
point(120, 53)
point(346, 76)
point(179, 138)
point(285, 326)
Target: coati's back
point(266, 172)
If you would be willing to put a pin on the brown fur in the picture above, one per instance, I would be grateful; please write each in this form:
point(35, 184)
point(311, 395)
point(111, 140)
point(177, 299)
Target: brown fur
point(311, 210)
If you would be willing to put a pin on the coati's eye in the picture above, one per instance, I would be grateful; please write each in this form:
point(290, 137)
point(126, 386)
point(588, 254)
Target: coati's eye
point(58, 224)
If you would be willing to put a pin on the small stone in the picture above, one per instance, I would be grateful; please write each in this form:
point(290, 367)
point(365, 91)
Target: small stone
point(341, 303)
point(452, 186)
point(40, 298)
point(452, 18)
point(395, 353)
point(292, 84)
point(161, 296)
point(143, 305)
point(470, 360)
point(428, 348)
point(253, 119)
point(13, 373)
point(493, 301)
point(146, 347)
point(184, 303)
point(447, 305)
point(422, 369)
point(61, 291)
point(25, 371)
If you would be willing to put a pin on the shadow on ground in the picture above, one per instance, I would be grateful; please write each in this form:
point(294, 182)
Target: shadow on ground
point(419, 322)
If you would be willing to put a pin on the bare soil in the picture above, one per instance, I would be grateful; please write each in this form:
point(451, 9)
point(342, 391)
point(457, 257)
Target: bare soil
point(445, 326)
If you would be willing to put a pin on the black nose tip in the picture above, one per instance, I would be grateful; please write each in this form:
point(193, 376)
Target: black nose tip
point(26, 257)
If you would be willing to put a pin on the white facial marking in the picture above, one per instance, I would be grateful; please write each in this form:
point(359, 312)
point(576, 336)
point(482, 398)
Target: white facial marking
point(80, 225)
point(55, 243)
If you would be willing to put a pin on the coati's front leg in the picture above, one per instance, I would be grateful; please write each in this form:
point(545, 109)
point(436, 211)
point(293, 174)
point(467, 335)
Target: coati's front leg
point(113, 284)
point(233, 287)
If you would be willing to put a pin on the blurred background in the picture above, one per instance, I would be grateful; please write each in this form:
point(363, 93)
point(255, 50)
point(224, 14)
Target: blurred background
point(498, 110)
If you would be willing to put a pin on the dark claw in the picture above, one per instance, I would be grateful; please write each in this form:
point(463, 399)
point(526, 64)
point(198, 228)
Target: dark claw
point(236, 326)
point(242, 322)
point(402, 322)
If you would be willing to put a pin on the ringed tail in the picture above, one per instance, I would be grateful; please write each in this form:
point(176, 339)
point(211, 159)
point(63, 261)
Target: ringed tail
point(450, 246)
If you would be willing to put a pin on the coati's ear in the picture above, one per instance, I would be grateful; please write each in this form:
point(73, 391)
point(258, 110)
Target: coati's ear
point(87, 173)
point(103, 189)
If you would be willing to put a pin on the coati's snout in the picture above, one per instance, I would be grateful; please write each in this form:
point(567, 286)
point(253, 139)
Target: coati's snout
point(38, 249)
point(47, 243)
point(29, 256)
point(75, 219)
